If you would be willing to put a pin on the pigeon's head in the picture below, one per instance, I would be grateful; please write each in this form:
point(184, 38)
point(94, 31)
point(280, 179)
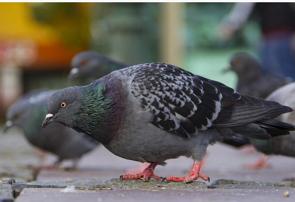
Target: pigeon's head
point(242, 63)
point(17, 114)
point(63, 105)
point(86, 63)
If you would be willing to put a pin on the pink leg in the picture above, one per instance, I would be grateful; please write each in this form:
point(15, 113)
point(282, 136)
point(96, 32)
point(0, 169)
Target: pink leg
point(146, 173)
point(248, 149)
point(139, 169)
point(261, 163)
point(194, 174)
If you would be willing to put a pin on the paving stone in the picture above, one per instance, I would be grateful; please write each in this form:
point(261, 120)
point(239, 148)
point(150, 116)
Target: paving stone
point(221, 195)
point(6, 193)
point(16, 155)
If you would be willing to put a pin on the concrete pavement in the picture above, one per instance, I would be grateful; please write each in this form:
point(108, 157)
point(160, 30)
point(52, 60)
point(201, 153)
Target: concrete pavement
point(97, 178)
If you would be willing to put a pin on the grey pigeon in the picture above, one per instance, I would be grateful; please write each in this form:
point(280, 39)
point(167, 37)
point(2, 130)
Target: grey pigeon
point(90, 65)
point(283, 145)
point(252, 79)
point(154, 112)
point(28, 113)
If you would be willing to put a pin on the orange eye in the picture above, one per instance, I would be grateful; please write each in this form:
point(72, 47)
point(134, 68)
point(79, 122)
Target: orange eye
point(63, 104)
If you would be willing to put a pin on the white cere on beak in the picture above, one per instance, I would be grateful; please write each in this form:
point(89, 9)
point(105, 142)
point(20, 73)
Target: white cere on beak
point(8, 123)
point(74, 71)
point(48, 116)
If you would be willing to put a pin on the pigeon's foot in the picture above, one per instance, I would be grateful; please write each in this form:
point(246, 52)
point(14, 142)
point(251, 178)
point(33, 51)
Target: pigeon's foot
point(145, 173)
point(261, 163)
point(43, 167)
point(194, 174)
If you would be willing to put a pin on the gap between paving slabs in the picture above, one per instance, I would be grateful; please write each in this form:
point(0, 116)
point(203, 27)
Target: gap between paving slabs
point(14, 164)
point(8, 186)
point(152, 185)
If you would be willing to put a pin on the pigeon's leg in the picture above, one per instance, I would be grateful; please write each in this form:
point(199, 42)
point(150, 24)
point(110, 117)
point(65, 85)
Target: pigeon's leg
point(261, 163)
point(57, 162)
point(139, 169)
point(53, 166)
point(248, 149)
point(73, 166)
point(75, 163)
point(146, 173)
point(194, 174)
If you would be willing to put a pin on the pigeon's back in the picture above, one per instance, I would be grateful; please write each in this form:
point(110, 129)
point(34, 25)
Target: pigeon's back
point(285, 96)
point(263, 86)
point(271, 82)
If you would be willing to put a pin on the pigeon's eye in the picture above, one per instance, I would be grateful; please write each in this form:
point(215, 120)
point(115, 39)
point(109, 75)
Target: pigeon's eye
point(63, 104)
point(83, 62)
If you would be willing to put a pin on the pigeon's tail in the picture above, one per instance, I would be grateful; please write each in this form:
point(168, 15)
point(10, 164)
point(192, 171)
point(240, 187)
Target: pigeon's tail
point(255, 118)
point(249, 110)
point(276, 128)
point(264, 129)
point(236, 140)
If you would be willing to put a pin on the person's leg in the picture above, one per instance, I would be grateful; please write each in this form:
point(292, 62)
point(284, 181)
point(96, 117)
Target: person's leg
point(278, 57)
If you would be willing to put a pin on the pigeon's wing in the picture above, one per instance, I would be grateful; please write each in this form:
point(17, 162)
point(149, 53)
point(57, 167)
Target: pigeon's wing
point(181, 103)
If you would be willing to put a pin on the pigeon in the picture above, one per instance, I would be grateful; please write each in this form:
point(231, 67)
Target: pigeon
point(283, 145)
point(90, 65)
point(155, 111)
point(252, 79)
point(28, 113)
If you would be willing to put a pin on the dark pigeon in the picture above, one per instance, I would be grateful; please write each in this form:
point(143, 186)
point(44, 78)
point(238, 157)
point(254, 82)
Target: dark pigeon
point(90, 65)
point(283, 145)
point(28, 113)
point(252, 79)
point(154, 112)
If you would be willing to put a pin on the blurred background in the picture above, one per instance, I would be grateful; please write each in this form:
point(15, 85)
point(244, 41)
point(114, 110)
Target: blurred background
point(38, 40)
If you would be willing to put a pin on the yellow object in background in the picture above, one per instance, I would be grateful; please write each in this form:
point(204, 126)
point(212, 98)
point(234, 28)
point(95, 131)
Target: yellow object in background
point(17, 23)
point(57, 31)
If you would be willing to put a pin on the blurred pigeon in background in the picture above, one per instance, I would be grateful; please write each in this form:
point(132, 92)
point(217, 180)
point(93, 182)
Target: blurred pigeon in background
point(28, 113)
point(284, 145)
point(153, 112)
point(252, 79)
point(90, 65)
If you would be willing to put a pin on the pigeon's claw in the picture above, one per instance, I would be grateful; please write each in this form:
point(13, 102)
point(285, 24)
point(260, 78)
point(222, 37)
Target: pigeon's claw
point(261, 163)
point(193, 175)
point(146, 173)
point(188, 179)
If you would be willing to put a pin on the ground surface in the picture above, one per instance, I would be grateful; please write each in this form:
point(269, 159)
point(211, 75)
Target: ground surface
point(97, 178)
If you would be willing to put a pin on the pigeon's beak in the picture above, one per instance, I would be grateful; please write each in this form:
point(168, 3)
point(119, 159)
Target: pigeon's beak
point(48, 119)
point(8, 125)
point(226, 70)
point(73, 73)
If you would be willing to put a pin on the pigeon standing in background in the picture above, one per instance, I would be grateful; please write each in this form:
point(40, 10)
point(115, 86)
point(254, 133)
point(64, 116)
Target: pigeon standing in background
point(28, 114)
point(90, 65)
point(154, 112)
point(283, 145)
point(252, 79)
